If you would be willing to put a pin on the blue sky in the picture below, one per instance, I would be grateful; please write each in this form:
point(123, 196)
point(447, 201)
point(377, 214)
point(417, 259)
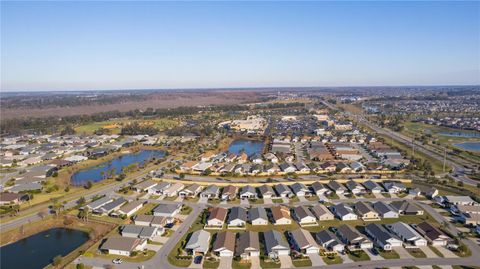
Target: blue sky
point(134, 45)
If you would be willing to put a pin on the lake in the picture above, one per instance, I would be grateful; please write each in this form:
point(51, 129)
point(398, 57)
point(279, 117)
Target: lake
point(38, 250)
point(470, 146)
point(94, 173)
point(249, 146)
point(460, 134)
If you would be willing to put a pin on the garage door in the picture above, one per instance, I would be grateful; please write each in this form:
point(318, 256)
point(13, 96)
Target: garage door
point(255, 253)
point(226, 254)
point(312, 251)
point(283, 252)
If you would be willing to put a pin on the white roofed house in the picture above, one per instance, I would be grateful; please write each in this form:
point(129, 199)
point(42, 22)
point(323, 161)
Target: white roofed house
point(299, 189)
point(248, 192)
point(198, 242)
point(237, 217)
point(173, 189)
point(211, 192)
point(142, 232)
point(355, 187)
point(98, 203)
point(144, 186)
point(357, 167)
point(167, 210)
point(304, 216)
point(303, 241)
point(459, 200)
point(110, 207)
point(191, 191)
point(123, 245)
point(130, 208)
point(320, 189)
point(344, 212)
point(407, 234)
point(258, 216)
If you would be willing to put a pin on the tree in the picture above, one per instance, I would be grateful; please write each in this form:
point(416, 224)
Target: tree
point(81, 201)
point(68, 130)
point(56, 206)
point(57, 260)
point(80, 266)
point(89, 185)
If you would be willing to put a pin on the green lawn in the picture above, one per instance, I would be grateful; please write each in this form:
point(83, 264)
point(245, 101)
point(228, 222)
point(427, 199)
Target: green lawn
point(392, 254)
point(436, 251)
point(304, 262)
point(241, 264)
point(415, 252)
point(332, 259)
point(359, 255)
point(269, 264)
point(211, 263)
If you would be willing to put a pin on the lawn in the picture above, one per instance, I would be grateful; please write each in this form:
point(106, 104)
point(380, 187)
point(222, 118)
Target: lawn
point(415, 252)
point(392, 254)
point(241, 264)
point(436, 251)
point(211, 263)
point(332, 259)
point(115, 126)
point(269, 263)
point(258, 201)
point(304, 262)
point(358, 255)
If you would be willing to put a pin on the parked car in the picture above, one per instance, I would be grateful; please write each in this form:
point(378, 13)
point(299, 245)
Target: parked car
point(197, 259)
point(117, 261)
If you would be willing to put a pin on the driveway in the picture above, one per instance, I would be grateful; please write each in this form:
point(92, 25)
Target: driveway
point(446, 253)
point(285, 260)
point(302, 199)
point(255, 263)
point(244, 202)
point(378, 195)
point(316, 259)
point(179, 199)
point(267, 201)
point(372, 256)
point(403, 253)
point(341, 196)
point(203, 200)
point(225, 262)
point(345, 258)
point(285, 199)
point(428, 252)
point(153, 247)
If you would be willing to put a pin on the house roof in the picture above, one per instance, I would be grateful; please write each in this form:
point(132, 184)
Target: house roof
point(237, 213)
point(303, 238)
point(131, 206)
point(349, 233)
point(199, 241)
point(404, 230)
point(430, 231)
point(302, 212)
point(382, 207)
point(320, 210)
point(229, 190)
point(372, 185)
point(266, 189)
point(166, 208)
point(279, 212)
point(380, 233)
point(247, 240)
point(282, 188)
point(247, 189)
point(224, 240)
point(363, 208)
point(342, 210)
point(274, 239)
point(8, 196)
point(326, 236)
point(404, 206)
point(334, 185)
point(316, 186)
point(257, 213)
point(219, 213)
point(121, 243)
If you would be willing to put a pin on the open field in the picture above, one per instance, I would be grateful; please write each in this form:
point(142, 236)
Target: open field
point(153, 100)
point(115, 126)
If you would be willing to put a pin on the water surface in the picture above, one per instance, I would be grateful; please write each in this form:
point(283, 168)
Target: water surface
point(470, 146)
point(95, 174)
point(38, 250)
point(249, 146)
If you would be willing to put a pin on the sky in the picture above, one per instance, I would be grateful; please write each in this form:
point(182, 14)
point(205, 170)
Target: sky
point(105, 45)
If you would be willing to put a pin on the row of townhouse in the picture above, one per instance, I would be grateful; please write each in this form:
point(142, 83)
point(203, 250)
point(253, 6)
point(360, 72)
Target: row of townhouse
point(375, 211)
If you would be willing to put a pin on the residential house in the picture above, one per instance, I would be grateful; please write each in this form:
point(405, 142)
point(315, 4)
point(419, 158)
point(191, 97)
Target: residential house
point(372, 186)
point(191, 191)
point(258, 216)
point(384, 210)
point(237, 217)
point(365, 211)
point(337, 187)
point(406, 208)
point(224, 245)
point(321, 212)
point(283, 191)
point(159, 188)
point(109, 207)
point(144, 186)
point(304, 216)
point(142, 232)
point(344, 212)
point(382, 237)
point(281, 215)
point(299, 189)
point(123, 246)
point(407, 234)
point(98, 203)
point(353, 239)
point(229, 193)
point(303, 241)
point(287, 168)
point(329, 241)
point(248, 192)
point(394, 187)
point(173, 189)
point(248, 245)
point(210, 192)
point(151, 220)
point(275, 245)
point(8, 198)
point(433, 234)
point(355, 187)
point(167, 210)
point(320, 189)
point(266, 191)
point(198, 243)
point(130, 208)
point(217, 216)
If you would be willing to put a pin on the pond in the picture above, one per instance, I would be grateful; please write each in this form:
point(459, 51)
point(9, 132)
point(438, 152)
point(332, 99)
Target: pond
point(38, 250)
point(470, 146)
point(99, 172)
point(249, 146)
point(460, 134)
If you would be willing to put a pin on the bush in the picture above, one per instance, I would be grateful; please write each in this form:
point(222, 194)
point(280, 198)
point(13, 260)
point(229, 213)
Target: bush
point(57, 260)
point(80, 266)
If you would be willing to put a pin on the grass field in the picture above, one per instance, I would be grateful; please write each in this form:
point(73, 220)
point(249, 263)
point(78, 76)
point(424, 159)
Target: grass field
point(116, 125)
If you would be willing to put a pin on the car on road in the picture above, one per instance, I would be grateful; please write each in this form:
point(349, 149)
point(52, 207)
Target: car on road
point(197, 259)
point(117, 261)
